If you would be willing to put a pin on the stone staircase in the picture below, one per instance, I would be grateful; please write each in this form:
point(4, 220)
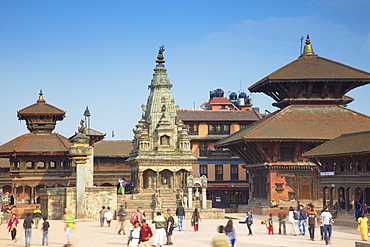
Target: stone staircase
point(147, 200)
point(168, 199)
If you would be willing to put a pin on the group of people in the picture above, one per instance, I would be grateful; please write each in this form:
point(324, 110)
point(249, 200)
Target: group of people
point(140, 232)
point(305, 219)
point(33, 219)
point(124, 187)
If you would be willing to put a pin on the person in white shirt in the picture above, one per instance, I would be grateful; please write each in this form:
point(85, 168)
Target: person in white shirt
point(135, 235)
point(108, 216)
point(292, 221)
point(326, 222)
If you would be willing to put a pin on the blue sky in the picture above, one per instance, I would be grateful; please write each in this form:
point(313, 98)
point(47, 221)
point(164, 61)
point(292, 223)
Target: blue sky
point(102, 53)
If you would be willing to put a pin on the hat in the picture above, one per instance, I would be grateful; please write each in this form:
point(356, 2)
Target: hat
point(143, 221)
point(168, 209)
point(121, 206)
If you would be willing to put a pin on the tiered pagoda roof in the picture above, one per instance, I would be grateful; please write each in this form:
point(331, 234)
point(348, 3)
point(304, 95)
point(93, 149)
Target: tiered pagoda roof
point(311, 79)
point(345, 144)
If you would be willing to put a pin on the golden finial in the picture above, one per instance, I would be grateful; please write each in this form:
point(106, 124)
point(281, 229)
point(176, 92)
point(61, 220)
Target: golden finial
point(160, 58)
point(41, 97)
point(308, 47)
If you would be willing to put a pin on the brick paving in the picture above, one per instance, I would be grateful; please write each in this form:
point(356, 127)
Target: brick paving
point(90, 234)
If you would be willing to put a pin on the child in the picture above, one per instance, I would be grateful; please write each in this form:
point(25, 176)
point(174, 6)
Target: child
point(269, 225)
point(45, 231)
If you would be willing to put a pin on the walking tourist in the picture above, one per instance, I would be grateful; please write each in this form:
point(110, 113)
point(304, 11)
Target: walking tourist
point(312, 223)
point(160, 232)
point(180, 213)
point(282, 217)
point(27, 225)
point(221, 240)
point(45, 232)
point(12, 226)
point(37, 216)
point(326, 222)
point(230, 232)
point(135, 235)
point(170, 222)
point(121, 215)
point(69, 219)
point(249, 220)
point(102, 212)
point(302, 217)
point(108, 216)
point(195, 219)
point(292, 218)
point(363, 226)
point(270, 225)
point(145, 234)
point(137, 216)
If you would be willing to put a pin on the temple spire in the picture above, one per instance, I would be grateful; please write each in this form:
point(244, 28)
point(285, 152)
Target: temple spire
point(308, 47)
point(160, 58)
point(41, 97)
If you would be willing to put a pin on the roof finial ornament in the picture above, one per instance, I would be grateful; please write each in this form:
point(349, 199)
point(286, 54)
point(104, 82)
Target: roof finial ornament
point(160, 58)
point(308, 47)
point(41, 97)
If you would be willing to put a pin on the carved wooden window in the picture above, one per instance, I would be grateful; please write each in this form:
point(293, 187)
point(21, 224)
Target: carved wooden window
point(52, 165)
point(40, 165)
point(30, 165)
point(16, 164)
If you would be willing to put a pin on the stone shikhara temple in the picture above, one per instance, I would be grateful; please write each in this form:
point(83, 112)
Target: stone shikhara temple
point(310, 92)
point(161, 160)
point(161, 156)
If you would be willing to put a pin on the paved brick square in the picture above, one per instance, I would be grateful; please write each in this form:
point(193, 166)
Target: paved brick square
point(90, 234)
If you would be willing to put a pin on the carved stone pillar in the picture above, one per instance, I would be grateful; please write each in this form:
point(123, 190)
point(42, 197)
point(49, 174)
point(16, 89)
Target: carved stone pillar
point(32, 195)
point(174, 185)
point(204, 198)
point(190, 197)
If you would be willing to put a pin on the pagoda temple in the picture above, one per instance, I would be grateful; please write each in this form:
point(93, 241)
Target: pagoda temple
point(40, 158)
point(310, 92)
point(161, 156)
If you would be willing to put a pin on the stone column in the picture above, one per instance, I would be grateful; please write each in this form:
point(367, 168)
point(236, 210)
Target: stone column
point(204, 198)
point(363, 195)
point(174, 185)
point(331, 197)
point(157, 181)
point(80, 152)
point(190, 197)
point(323, 198)
point(32, 195)
point(89, 170)
point(346, 198)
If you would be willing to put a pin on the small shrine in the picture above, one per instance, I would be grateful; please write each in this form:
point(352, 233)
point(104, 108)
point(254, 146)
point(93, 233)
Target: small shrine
point(197, 189)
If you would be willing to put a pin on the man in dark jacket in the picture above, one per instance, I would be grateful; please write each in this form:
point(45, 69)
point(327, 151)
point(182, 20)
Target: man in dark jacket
point(27, 225)
point(180, 213)
point(302, 220)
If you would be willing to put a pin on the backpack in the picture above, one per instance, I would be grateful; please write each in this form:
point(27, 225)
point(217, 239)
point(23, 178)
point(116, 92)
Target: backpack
point(175, 221)
point(133, 218)
point(295, 215)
